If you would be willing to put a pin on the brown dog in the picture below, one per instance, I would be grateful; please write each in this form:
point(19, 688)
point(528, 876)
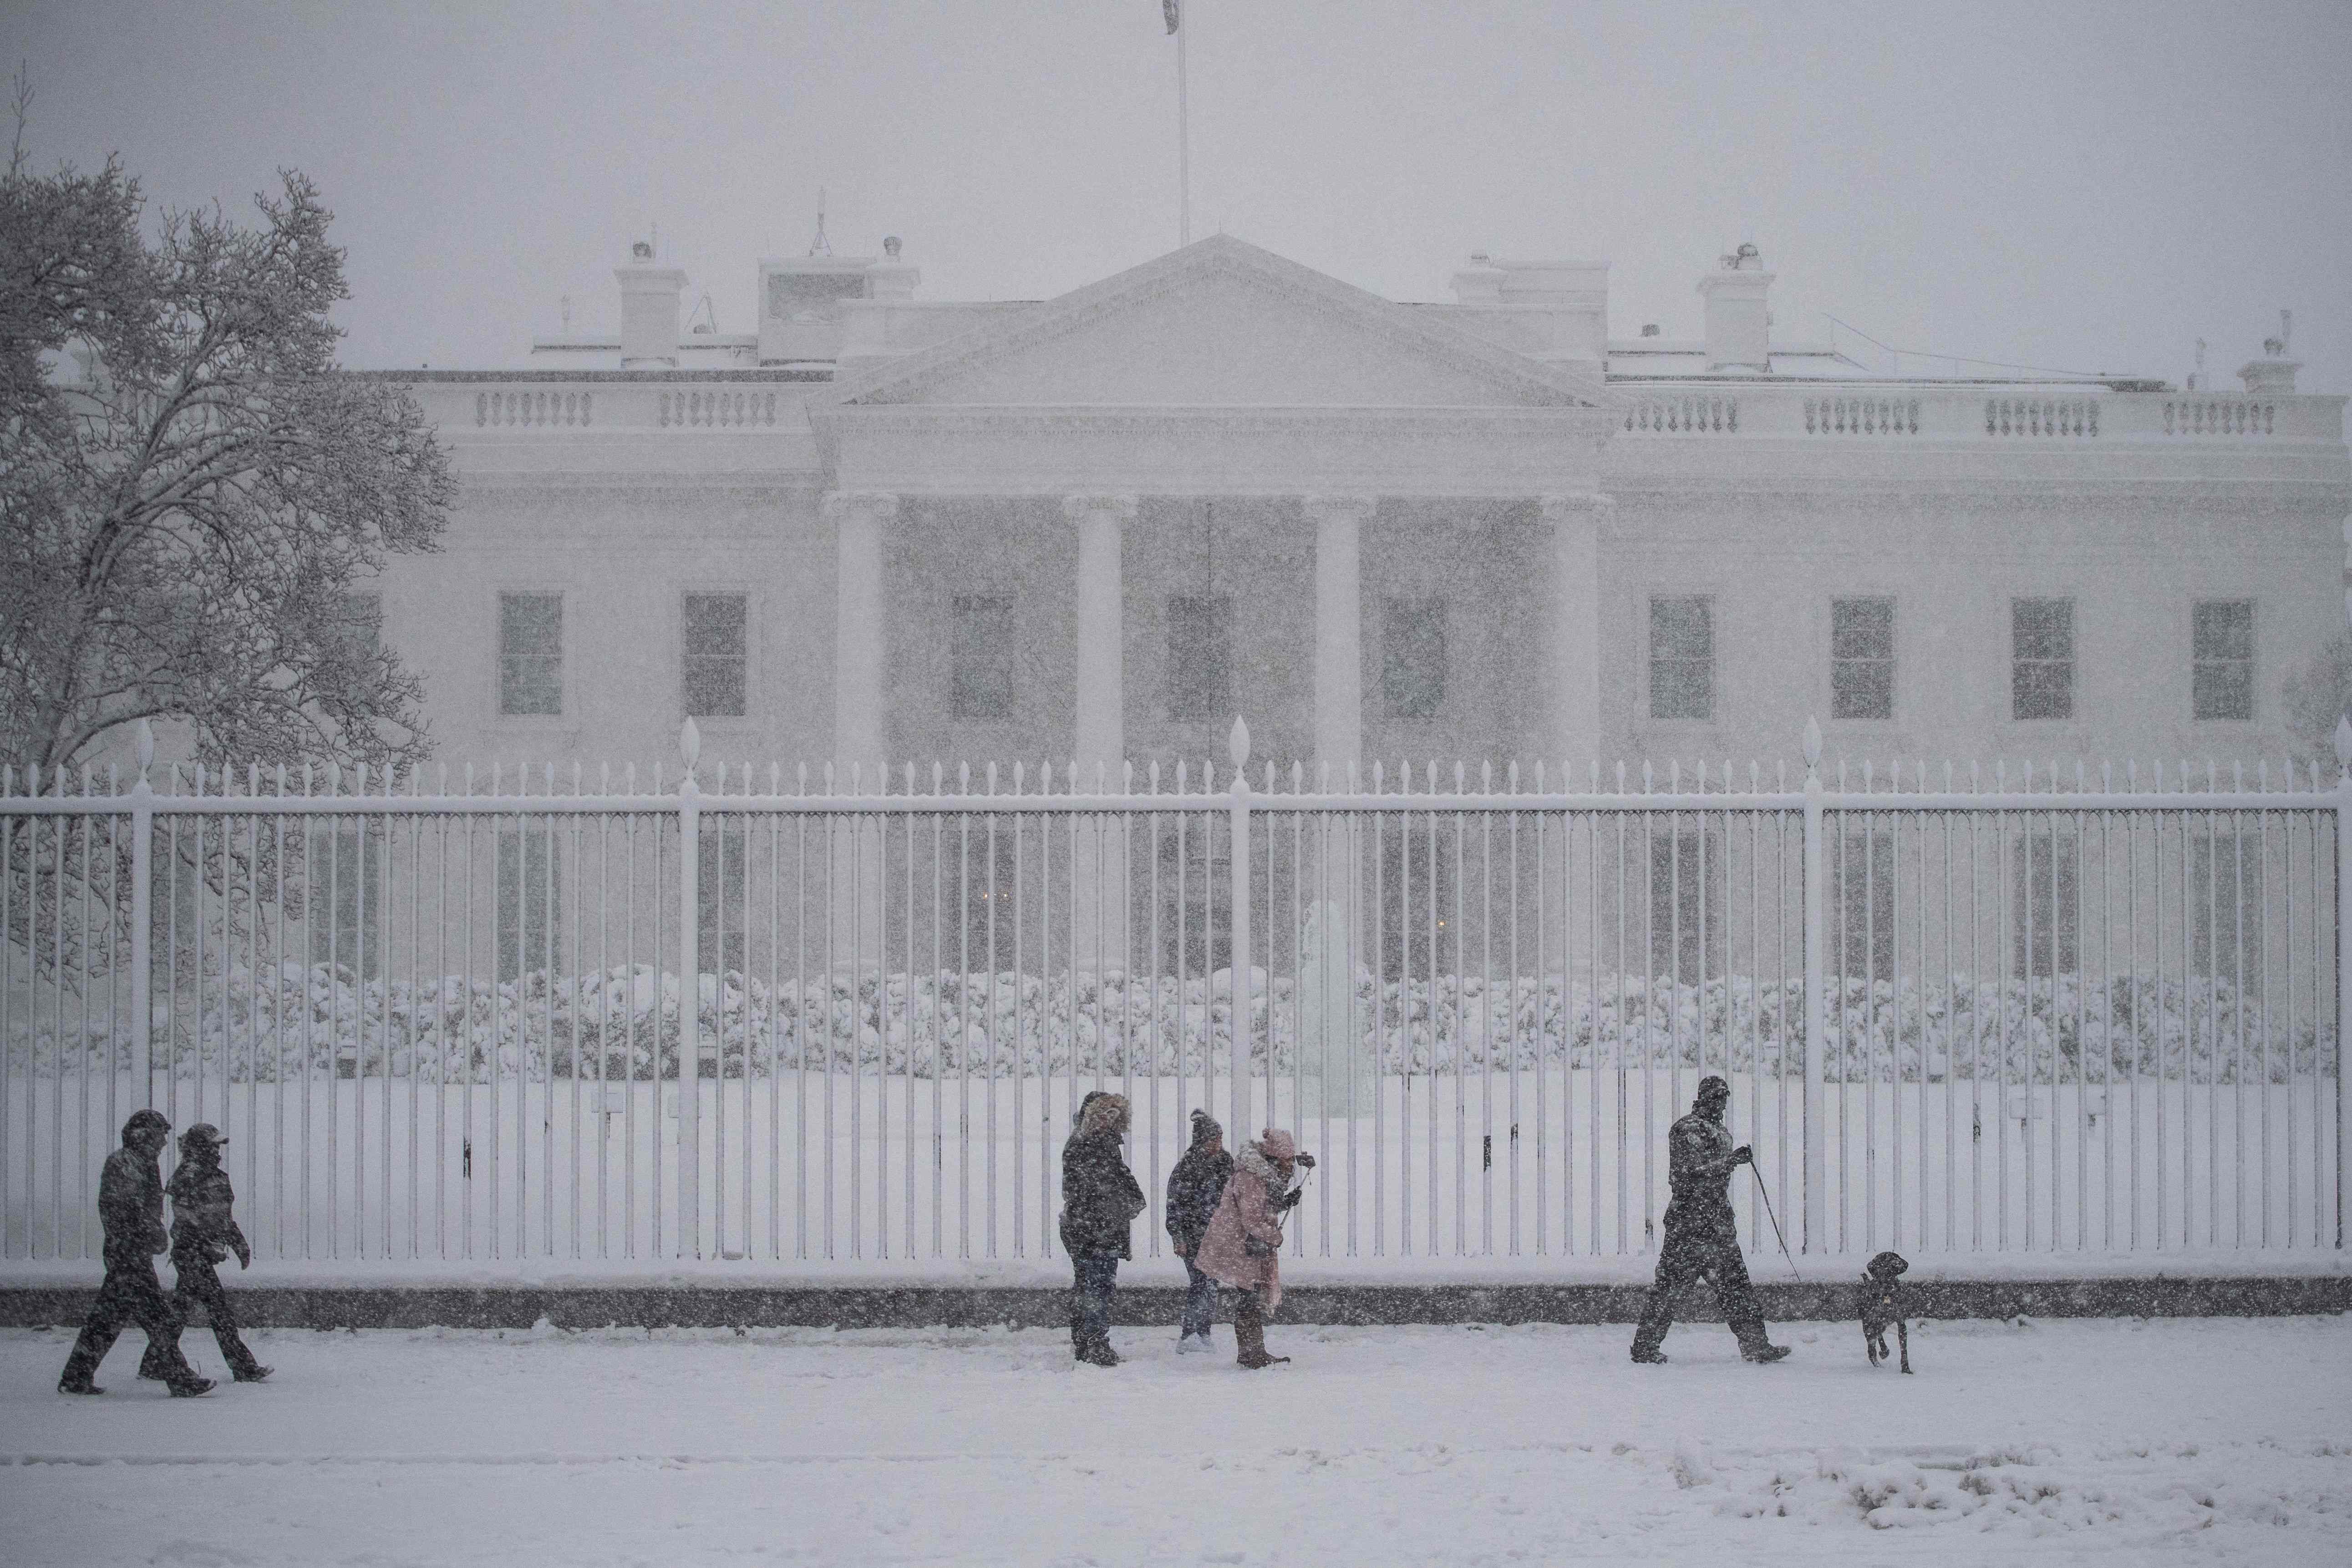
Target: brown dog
point(1882, 1303)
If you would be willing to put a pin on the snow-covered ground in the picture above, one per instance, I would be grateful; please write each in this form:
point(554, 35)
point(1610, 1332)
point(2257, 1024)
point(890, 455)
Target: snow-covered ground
point(2116, 1441)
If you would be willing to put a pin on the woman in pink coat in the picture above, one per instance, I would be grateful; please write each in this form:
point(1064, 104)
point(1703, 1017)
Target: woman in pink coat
point(1243, 1245)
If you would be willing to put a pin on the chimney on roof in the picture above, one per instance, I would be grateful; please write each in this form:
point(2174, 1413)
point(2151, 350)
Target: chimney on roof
point(1738, 330)
point(649, 297)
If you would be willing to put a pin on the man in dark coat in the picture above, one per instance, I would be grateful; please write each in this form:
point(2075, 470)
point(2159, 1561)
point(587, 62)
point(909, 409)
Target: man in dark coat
point(1702, 1237)
point(130, 1208)
point(1193, 1188)
point(204, 1232)
point(1100, 1200)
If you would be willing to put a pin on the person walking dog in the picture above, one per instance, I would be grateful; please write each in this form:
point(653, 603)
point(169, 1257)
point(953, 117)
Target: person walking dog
point(130, 1210)
point(1193, 1188)
point(1243, 1245)
point(1100, 1199)
point(1702, 1237)
point(204, 1232)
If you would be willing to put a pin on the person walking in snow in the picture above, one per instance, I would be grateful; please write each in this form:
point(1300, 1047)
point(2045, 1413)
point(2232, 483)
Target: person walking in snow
point(1702, 1237)
point(1193, 1188)
point(130, 1210)
point(1243, 1245)
point(204, 1232)
point(1100, 1199)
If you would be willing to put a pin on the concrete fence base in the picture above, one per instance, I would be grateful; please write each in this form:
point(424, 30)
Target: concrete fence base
point(904, 1307)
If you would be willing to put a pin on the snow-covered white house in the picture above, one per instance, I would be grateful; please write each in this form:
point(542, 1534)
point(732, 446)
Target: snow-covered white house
point(1099, 526)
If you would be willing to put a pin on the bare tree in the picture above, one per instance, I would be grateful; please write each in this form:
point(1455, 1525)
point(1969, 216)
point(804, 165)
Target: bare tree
point(190, 490)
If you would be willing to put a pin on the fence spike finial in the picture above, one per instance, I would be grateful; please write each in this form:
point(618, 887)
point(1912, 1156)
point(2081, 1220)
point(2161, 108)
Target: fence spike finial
point(1379, 776)
point(1812, 744)
point(2344, 742)
point(146, 749)
point(991, 775)
point(1649, 775)
point(1237, 742)
point(1154, 774)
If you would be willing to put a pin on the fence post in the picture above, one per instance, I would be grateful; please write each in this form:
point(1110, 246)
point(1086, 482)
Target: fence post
point(1237, 746)
point(1816, 1015)
point(143, 916)
point(689, 1020)
point(2342, 954)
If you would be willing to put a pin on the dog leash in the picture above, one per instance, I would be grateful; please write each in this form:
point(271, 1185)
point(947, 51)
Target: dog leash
point(1765, 1194)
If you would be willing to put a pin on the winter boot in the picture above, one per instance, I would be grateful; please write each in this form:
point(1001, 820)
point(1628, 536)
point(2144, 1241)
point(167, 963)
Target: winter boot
point(1249, 1333)
point(1764, 1354)
point(77, 1386)
point(1649, 1355)
point(1192, 1345)
point(257, 1372)
point(191, 1387)
point(1097, 1352)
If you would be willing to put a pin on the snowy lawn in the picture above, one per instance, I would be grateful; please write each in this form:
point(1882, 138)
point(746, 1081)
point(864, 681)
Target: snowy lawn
point(2116, 1441)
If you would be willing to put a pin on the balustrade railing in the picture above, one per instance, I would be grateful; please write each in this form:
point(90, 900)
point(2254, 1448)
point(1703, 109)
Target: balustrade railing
point(850, 1017)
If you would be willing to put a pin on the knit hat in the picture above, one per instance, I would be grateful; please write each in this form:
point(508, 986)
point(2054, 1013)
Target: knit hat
point(1713, 1088)
point(143, 1119)
point(1204, 1128)
point(1276, 1144)
point(202, 1135)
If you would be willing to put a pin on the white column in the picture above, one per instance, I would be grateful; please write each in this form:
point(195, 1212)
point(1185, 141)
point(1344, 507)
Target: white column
point(1098, 908)
point(1338, 627)
point(858, 518)
point(1100, 734)
point(1575, 522)
point(857, 850)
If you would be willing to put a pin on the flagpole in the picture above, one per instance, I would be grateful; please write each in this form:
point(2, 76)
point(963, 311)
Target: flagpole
point(1183, 140)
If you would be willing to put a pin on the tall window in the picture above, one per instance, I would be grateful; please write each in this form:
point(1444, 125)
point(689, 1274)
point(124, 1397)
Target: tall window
point(721, 913)
point(2041, 658)
point(1687, 935)
point(2045, 881)
point(1862, 659)
point(1200, 656)
point(531, 901)
point(1682, 657)
point(1862, 872)
point(2223, 679)
point(530, 653)
point(1412, 658)
point(2225, 903)
point(981, 655)
point(717, 652)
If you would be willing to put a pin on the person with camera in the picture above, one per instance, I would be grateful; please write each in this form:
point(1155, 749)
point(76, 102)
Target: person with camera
point(1702, 1236)
point(1242, 1249)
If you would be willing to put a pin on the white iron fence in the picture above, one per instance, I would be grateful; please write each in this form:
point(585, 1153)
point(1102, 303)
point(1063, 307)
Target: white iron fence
point(1959, 1013)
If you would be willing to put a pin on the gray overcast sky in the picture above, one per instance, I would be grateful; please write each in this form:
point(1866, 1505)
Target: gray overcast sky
point(2081, 185)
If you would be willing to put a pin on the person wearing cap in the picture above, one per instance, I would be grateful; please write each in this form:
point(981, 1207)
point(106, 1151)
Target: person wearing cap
point(1193, 1188)
point(1702, 1236)
point(130, 1210)
point(204, 1232)
point(1100, 1199)
point(1242, 1248)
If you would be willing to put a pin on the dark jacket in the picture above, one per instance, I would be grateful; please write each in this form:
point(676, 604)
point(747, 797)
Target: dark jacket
point(1099, 1197)
point(202, 1224)
point(1193, 1188)
point(130, 1204)
point(1698, 1171)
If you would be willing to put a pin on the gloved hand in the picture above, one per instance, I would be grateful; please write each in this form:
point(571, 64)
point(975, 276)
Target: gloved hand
point(245, 1257)
point(1252, 1246)
point(1743, 1156)
point(1305, 1161)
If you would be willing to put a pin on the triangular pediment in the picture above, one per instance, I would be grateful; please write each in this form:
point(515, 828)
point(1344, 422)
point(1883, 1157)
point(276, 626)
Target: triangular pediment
point(1220, 323)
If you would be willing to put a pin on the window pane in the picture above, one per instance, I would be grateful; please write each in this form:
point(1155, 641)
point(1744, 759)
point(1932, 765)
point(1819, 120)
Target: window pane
point(2042, 672)
point(1862, 659)
point(1682, 657)
point(2222, 675)
point(1200, 666)
point(715, 636)
point(530, 653)
point(1412, 658)
point(715, 624)
point(981, 654)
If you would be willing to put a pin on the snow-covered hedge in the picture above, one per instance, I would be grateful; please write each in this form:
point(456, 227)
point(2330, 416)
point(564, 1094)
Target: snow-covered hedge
point(2045, 1030)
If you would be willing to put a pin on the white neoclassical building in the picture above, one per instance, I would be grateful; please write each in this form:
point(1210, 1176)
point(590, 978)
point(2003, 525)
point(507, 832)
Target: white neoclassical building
point(1099, 526)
